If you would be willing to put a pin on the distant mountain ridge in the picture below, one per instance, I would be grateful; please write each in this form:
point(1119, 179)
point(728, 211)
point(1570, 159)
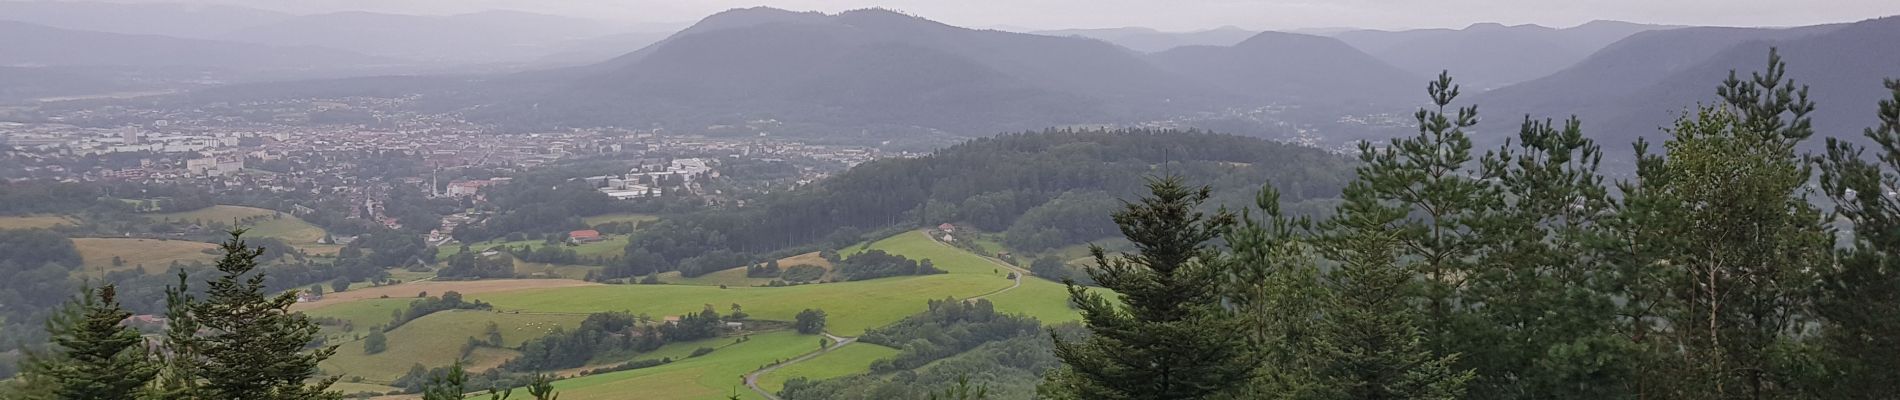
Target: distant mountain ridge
point(1637, 86)
point(1291, 67)
point(38, 45)
point(1150, 40)
point(1491, 55)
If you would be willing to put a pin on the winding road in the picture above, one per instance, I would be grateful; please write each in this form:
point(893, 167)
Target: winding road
point(752, 379)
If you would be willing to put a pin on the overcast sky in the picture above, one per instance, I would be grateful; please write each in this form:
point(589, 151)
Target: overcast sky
point(1176, 14)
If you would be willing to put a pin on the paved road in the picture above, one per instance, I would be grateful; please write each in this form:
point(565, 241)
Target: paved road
point(752, 379)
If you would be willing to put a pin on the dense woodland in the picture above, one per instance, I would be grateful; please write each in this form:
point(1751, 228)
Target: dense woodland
point(992, 183)
point(1520, 272)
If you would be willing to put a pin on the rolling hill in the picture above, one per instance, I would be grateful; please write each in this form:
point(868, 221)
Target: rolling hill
point(1292, 67)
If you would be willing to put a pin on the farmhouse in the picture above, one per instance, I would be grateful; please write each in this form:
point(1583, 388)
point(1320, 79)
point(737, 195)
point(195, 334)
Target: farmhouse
point(584, 236)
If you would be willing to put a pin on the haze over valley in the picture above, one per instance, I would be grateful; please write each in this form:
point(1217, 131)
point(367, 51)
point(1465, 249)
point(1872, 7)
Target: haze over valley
point(431, 199)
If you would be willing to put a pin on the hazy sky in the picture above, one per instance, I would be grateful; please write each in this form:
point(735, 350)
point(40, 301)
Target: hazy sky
point(1176, 14)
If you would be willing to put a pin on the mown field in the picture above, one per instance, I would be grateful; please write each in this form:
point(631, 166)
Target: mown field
point(852, 306)
point(154, 254)
point(851, 359)
point(35, 221)
point(736, 275)
point(436, 340)
point(620, 217)
point(712, 376)
point(288, 228)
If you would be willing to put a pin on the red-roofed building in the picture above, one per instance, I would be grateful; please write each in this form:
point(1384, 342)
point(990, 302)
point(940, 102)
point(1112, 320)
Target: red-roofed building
point(584, 236)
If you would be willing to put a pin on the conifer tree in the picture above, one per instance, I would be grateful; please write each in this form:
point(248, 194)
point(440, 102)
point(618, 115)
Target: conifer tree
point(1271, 280)
point(98, 358)
point(1167, 337)
point(1860, 296)
point(252, 346)
point(179, 377)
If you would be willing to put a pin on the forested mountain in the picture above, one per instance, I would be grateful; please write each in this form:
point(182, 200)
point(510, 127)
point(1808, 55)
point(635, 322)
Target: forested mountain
point(1292, 67)
point(200, 21)
point(1640, 84)
point(994, 184)
point(1491, 54)
point(38, 45)
point(860, 68)
point(1150, 40)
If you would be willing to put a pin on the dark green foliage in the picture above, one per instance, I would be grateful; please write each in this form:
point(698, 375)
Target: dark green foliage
point(802, 273)
point(1167, 337)
point(255, 347)
point(32, 248)
point(989, 181)
point(97, 358)
point(469, 264)
point(375, 342)
point(1007, 368)
point(875, 264)
point(1860, 299)
point(948, 328)
point(450, 300)
point(810, 321)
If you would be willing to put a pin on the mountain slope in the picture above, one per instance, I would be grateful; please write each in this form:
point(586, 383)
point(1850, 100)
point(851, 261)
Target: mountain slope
point(1491, 55)
point(1292, 67)
point(865, 68)
point(1634, 87)
point(36, 45)
point(1150, 40)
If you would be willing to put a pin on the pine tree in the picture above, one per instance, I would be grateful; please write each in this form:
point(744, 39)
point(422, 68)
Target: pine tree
point(179, 377)
point(542, 388)
point(1860, 296)
point(253, 346)
point(1272, 283)
point(1742, 282)
point(1167, 337)
point(450, 385)
point(1372, 345)
point(98, 358)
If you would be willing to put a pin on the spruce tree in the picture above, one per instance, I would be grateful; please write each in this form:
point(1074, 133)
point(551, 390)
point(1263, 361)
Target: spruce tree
point(1860, 296)
point(179, 377)
point(1167, 337)
point(98, 357)
point(252, 346)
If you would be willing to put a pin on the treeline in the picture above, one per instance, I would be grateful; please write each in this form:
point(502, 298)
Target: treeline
point(613, 334)
point(940, 348)
point(422, 307)
point(949, 327)
point(990, 182)
point(873, 264)
point(233, 342)
point(1517, 273)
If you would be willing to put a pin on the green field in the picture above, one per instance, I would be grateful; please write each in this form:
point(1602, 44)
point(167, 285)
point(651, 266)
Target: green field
point(613, 245)
point(620, 217)
point(852, 306)
point(436, 340)
point(712, 376)
point(736, 275)
point(854, 358)
point(363, 314)
point(154, 254)
point(284, 227)
point(35, 221)
point(350, 388)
